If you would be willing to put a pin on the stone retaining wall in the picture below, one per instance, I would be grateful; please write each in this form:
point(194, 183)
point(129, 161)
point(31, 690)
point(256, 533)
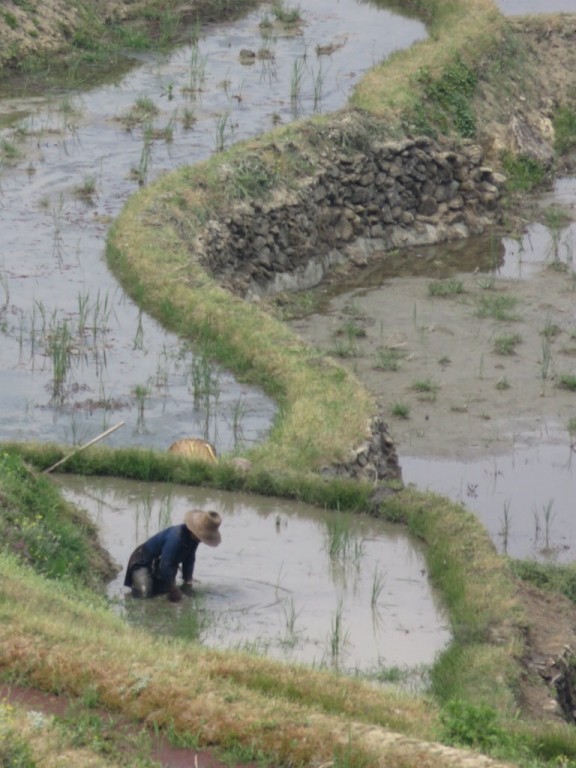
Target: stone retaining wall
point(357, 204)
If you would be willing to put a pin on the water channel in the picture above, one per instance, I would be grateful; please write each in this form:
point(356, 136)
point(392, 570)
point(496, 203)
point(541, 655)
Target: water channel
point(74, 159)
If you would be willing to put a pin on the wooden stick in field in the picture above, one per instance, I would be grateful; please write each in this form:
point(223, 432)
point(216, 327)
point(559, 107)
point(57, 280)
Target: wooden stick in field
point(86, 445)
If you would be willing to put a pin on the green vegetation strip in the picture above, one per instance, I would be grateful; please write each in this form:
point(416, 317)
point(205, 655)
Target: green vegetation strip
point(324, 410)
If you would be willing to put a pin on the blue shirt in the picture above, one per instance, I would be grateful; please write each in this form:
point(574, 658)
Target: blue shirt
point(173, 546)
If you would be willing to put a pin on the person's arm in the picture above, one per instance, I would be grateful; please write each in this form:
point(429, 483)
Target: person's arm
point(188, 567)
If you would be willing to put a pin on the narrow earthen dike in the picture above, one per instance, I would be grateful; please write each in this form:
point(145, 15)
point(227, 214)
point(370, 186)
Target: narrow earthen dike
point(358, 205)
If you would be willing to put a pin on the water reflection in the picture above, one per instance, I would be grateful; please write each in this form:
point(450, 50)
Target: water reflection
point(288, 580)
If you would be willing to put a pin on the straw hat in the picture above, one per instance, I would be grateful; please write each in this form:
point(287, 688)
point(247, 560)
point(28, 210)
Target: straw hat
point(204, 525)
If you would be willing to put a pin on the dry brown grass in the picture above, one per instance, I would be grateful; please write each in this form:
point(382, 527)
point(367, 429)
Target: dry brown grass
point(54, 642)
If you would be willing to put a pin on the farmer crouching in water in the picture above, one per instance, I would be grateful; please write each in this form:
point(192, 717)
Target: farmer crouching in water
point(153, 566)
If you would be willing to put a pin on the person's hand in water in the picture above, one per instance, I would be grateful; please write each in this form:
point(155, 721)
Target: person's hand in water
point(175, 595)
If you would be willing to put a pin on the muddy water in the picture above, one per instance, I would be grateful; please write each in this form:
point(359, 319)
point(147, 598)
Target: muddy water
point(273, 586)
point(494, 431)
point(76, 354)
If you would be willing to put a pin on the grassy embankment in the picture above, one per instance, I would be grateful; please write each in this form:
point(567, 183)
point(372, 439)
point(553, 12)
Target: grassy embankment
point(58, 638)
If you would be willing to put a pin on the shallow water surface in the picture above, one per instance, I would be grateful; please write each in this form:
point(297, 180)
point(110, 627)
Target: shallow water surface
point(494, 431)
point(77, 355)
point(273, 586)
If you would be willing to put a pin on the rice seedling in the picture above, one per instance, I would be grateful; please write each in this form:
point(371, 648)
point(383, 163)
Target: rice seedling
point(141, 393)
point(141, 112)
point(165, 511)
point(318, 78)
point(141, 172)
point(339, 536)
point(224, 131)
point(286, 15)
point(498, 307)
point(571, 426)
point(204, 379)
point(82, 300)
point(567, 381)
point(400, 410)
point(238, 413)
point(502, 384)
point(338, 636)
point(388, 359)
point(290, 617)
point(188, 119)
point(57, 213)
point(548, 520)
point(548, 517)
point(143, 514)
point(507, 343)
point(505, 527)
point(101, 309)
point(296, 81)
point(8, 150)
point(545, 358)
point(59, 350)
point(87, 189)
point(551, 329)
point(168, 24)
point(197, 70)
point(162, 375)
point(265, 25)
point(426, 389)
point(68, 108)
point(448, 287)
point(343, 348)
point(377, 586)
point(138, 340)
point(486, 282)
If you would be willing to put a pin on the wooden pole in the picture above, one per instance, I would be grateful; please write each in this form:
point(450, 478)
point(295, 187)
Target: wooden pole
point(86, 445)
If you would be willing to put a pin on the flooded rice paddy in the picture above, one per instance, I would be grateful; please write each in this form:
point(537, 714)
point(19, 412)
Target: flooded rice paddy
point(478, 382)
point(289, 581)
point(77, 355)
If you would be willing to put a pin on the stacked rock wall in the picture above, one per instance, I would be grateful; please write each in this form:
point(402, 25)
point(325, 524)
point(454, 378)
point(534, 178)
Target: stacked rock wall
point(387, 196)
